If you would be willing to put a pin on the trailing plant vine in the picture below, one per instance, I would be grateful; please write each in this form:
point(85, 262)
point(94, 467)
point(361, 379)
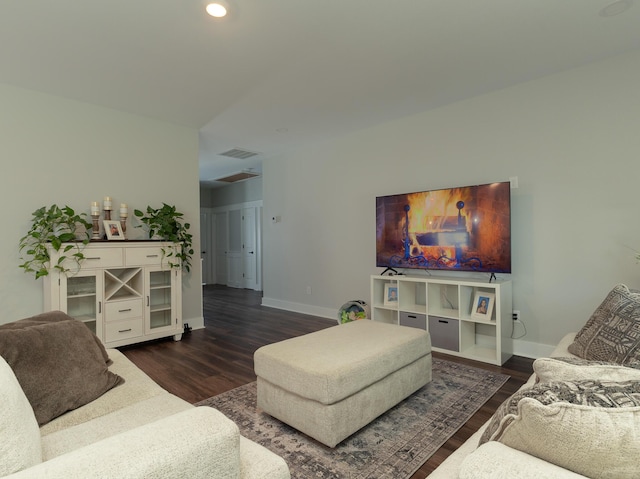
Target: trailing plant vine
point(51, 228)
point(166, 223)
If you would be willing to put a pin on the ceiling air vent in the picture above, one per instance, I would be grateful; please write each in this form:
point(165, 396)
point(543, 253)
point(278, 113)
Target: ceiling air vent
point(243, 175)
point(238, 153)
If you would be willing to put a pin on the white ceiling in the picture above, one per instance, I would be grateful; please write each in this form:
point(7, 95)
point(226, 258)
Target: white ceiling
point(280, 74)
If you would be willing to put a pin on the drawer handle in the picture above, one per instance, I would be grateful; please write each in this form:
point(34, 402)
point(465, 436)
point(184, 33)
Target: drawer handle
point(93, 257)
point(124, 330)
point(152, 256)
point(411, 316)
point(443, 321)
point(124, 310)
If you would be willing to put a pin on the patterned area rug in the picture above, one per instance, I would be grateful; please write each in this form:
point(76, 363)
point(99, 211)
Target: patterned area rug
point(393, 446)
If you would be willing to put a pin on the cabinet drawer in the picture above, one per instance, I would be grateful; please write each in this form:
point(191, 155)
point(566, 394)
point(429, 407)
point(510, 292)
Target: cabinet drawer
point(414, 320)
point(118, 330)
point(144, 256)
point(102, 258)
point(444, 333)
point(118, 310)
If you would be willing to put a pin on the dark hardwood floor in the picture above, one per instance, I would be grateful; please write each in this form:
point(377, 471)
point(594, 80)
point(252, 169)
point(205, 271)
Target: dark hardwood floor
point(219, 357)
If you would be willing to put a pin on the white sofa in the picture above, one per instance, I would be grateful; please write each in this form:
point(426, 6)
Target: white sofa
point(135, 430)
point(579, 413)
point(495, 460)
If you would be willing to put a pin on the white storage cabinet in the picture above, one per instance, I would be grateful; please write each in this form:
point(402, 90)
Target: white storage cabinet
point(443, 306)
point(125, 292)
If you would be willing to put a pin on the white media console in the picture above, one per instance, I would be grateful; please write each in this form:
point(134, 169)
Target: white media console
point(448, 309)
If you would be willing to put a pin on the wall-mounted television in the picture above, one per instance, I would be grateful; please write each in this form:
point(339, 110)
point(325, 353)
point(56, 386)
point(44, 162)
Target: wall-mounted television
point(455, 229)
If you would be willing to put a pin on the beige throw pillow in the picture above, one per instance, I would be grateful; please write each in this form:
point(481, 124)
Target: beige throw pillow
point(59, 365)
point(589, 427)
point(613, 331)
point(20, 445)
point(575, 369)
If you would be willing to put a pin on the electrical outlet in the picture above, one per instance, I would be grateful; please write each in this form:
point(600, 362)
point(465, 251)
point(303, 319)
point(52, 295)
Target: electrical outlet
point(516, 315)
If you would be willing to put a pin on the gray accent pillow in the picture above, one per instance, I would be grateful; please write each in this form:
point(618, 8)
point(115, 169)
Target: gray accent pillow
point(613, 332)
point(594, 393)
point(60, 364)
point(588, 427)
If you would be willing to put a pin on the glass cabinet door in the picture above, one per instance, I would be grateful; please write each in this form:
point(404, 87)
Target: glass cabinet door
point(80, 297)
point(161, 301)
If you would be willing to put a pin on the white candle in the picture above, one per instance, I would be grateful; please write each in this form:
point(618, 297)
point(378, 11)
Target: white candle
point(107, 202)
point(123, 209)
point(95, 209)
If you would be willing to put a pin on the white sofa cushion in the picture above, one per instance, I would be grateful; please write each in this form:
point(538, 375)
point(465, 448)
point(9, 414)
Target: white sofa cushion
point(588, 427)
point(137, 387)
point(496, 461)
point(129, 417)
point(198, 443)
point(20, 445)
point(575, 369)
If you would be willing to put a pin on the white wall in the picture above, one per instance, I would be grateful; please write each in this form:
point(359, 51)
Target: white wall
point(69, 153)
point(571, 139)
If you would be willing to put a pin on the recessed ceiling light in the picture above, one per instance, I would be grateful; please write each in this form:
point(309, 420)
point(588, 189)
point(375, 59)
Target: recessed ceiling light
point(616, 8)
point(216, 10)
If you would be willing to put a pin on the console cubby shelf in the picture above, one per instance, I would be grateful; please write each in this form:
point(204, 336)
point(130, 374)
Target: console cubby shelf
point(444, 307)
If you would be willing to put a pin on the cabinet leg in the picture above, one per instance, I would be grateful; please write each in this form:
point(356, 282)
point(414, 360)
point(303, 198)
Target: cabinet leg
point(177, 337)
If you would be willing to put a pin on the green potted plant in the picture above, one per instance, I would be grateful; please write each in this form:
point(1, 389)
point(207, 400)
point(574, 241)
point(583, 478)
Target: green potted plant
point(52, 228)
point(166, 223)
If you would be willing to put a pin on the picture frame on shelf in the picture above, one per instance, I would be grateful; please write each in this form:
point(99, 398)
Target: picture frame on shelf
point(483, 303)
point(390, 294)
point(113, 230)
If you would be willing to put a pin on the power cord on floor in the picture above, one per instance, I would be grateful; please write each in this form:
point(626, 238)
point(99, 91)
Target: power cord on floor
point(513, 329)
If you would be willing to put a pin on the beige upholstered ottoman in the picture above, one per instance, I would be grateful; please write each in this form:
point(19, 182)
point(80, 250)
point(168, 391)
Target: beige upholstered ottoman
point(330, 383)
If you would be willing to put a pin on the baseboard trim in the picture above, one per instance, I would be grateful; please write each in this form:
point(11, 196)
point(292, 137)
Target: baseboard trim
point(301, 308)
point(531, 350)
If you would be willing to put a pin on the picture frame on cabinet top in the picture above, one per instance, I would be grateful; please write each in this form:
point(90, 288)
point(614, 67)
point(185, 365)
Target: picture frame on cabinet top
point(113, 230)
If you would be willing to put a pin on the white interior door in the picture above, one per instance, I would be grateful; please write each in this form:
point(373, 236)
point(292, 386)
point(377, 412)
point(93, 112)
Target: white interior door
point(206, 243)
point(249, 248)
point(234, 249)
point(220, 234)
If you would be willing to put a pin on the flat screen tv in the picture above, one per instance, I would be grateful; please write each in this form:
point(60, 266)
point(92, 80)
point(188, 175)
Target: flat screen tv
point(455, 229)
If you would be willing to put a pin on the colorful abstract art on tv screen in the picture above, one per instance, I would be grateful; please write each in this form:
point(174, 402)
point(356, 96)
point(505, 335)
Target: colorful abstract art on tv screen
point(456, 229)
